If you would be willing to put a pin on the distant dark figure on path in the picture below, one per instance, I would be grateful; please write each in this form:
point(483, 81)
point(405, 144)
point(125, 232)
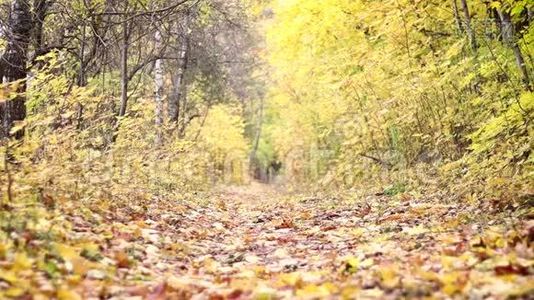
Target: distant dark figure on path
point(273, 170)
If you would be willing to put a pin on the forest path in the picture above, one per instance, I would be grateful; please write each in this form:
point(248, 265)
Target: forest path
point(257, 242)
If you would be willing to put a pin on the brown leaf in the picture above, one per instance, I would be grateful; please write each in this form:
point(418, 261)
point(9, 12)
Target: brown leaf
point(122, 259)
point(365, 210)
point(328, 227)
point(286, 223)
point(511, 269)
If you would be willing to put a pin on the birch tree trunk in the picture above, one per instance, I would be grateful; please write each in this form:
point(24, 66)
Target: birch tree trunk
point(158, 93)
point(468, 27)
point(509, 38)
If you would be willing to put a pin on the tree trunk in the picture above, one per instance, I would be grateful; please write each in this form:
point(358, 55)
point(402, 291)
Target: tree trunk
point(509, 38)
point(254, 153)
point(184, 120)
point(457, 16)
point(124, 67)
point(81, 74)
point(178, 81)
point(497, 19)
point(40, 8)
point(158, 93)
point(13, 63)
point(468, 27)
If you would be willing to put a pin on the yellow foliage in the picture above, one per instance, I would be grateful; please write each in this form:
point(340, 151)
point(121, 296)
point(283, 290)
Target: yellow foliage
point(358, 86)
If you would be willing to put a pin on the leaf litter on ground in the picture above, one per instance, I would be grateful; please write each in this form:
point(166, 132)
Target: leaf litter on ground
point(261, 244)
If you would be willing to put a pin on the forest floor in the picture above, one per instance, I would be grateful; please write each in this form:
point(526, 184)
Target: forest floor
point(259, 243)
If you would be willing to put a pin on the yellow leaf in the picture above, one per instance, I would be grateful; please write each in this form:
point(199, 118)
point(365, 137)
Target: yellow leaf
point(74, 279)
point(211, 265)
point(389, 276)
point(349, 292)
point(250, 274)
point(3, 251)
point(450, 286)
point(357, 232)
point(21, 262)
point(290, 279)
point(80, 266)
point(65, 294)
point(264, 293)
point(317, 291)
point(18, 126)
point(14, 292)
point(430, 276)
point(40, 297)
point(90, 247)
point(453, 282)
point(66, 252)
point(8, 276)
point(352, 264)
point(495, 4)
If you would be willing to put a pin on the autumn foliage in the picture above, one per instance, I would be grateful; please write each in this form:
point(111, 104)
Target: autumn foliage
point(254, 149)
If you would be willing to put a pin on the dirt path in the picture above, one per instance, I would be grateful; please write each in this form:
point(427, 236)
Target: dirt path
point(256, 242)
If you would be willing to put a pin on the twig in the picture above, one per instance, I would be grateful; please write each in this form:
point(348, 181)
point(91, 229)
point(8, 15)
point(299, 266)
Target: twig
point(378, 160)
point(5, 206)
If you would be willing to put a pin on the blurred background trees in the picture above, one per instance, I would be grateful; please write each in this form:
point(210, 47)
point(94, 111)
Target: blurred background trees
point(107, 97)
point(398, 93)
